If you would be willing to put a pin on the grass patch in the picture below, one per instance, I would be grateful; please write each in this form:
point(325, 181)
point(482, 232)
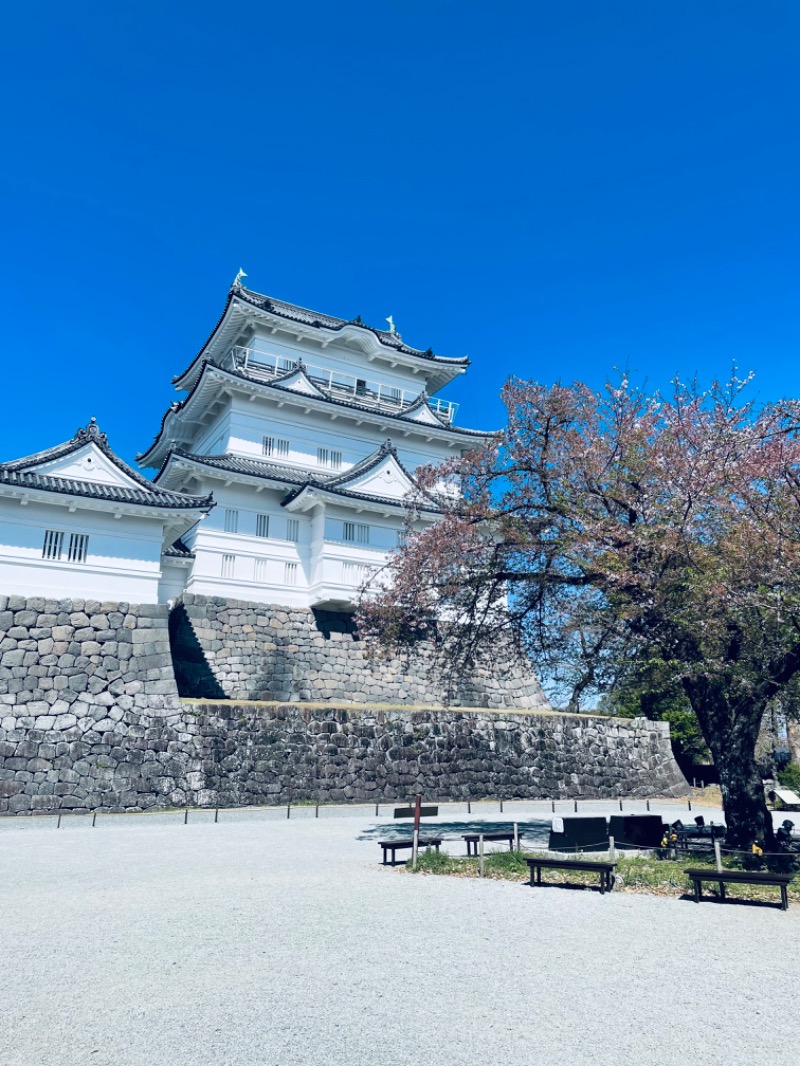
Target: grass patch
point(641, 873)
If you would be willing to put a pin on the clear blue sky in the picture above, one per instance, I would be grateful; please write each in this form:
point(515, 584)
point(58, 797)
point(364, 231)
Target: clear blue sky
point(551, 188)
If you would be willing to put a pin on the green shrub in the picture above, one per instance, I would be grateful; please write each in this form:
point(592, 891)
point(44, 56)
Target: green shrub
point(789, 776)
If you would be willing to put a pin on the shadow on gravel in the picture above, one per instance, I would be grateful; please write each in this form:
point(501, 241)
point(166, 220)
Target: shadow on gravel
point(534, 834)
point(729, 901)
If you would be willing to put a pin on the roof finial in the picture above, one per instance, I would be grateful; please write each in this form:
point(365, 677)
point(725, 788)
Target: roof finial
point(392, 328)
point(237, 281)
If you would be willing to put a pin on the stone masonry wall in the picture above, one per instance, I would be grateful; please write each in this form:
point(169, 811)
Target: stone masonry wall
point(236, 650)
point(230, 754)
point(90, 719)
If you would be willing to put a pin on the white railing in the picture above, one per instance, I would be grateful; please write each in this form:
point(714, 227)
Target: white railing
point(338, 385)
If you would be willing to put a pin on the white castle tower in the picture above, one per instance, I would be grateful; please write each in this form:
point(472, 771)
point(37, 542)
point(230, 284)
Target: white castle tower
point(307, 430)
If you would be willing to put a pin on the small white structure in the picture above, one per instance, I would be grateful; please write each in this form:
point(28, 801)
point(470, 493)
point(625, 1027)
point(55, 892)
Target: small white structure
point(78, 522)
point(307, 430)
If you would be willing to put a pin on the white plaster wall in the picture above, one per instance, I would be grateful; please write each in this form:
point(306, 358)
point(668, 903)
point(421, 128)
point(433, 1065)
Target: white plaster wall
point(123, 555)
point(344, 360)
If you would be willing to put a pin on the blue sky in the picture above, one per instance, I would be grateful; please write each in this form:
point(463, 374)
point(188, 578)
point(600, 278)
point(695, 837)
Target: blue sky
point(553, 189)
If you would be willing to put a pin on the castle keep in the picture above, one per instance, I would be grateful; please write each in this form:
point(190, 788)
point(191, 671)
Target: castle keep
point(281, 480)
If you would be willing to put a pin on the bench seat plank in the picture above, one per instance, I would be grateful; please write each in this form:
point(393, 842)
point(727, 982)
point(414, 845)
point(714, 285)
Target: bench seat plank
point(697, 875)
point(605, 869)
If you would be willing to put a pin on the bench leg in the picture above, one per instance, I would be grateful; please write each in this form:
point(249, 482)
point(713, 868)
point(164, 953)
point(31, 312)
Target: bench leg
point(697, 891)
point(602, 884)
point(722, 889)
point(538, 875)
point(785, 897)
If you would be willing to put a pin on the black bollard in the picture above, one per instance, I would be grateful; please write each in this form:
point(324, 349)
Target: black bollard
point(186, 816)
point(216, 815)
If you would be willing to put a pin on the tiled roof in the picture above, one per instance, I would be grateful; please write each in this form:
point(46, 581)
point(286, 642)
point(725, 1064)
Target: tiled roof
point(299, 480)
point(22, 474)
point(457, 431)
point(295, 313)
point(178, 550)
point(155, 497)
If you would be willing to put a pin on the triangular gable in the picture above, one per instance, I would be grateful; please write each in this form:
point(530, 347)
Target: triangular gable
point(87, 463)
point(421, 412)
point(386, 478)
point(298, 381)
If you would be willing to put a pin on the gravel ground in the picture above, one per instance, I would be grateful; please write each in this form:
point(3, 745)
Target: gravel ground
point(263, 941)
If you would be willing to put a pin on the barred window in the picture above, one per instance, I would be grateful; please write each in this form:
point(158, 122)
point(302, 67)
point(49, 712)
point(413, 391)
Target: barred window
point(261, 570)
point(231, 520)
point(275, 447)
point(402, 538)
point(53, 541)
point(290, 574)
point(262, 525)
point(293, 529)
point(336, 460)
point(356, 533)
point(323, 457)
point(78, 543)
point(228, 564)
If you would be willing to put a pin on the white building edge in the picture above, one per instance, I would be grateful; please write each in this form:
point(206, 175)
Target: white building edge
point(304, 430)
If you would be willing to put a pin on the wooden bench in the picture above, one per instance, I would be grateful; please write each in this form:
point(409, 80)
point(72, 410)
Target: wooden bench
point(403, 845)
point(473, 840)
point(605, 869)
point(738, 877)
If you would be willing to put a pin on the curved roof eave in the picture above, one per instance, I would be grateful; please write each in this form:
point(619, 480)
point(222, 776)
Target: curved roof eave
point(386, 342)
point(303, 398)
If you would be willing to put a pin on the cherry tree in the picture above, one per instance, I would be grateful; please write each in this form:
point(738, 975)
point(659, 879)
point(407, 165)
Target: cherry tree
point(605, 531)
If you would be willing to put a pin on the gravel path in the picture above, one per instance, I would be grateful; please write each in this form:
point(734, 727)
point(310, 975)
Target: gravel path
point(263, 941)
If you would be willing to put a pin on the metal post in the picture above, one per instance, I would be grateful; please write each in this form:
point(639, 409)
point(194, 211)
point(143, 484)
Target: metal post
point(702, 783)
point(612, 851)
point(553, 806)
point(717, 856)
point(216, 815)
point(469, 807)
point(480, 846)
point(316, 812)
point(690, 804)
point(415, 850)
point(501, 806)
point(94, 819)
point(186, 816)
point(59, 822)
point(516, 836)
point(694, 782)
point(576, 806)
point(288, 810)
point(376, 810)
point(648, 805)
point(620, 804)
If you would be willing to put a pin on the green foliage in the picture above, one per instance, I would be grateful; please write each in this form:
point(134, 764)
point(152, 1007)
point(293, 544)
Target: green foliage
point(789, 777)
point(650, 692)
point(435, 862)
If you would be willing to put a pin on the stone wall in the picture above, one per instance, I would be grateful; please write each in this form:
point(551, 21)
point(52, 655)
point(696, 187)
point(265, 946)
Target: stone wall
point(90, 718)
point(244, 651)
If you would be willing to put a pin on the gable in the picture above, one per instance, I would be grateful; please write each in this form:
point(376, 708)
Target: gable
point(422, 413)
point(387, 479)
point(298, 381)
point(88, 463)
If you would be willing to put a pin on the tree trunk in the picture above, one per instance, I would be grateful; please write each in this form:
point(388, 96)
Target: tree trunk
point(731, 734)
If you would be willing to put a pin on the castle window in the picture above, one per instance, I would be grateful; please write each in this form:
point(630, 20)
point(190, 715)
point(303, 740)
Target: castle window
point(402, 538)
point(293, 529)
point(228, 563)
point(355, 533)
point(275, 447)
point(231, 521)
point(78, 543)
point(262, 525)
point(53, 541)
point(290, 573)
point(261, 570)
point(325, 457)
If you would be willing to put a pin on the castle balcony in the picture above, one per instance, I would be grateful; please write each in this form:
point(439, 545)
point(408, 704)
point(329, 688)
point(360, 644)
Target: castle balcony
point(264, 366)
